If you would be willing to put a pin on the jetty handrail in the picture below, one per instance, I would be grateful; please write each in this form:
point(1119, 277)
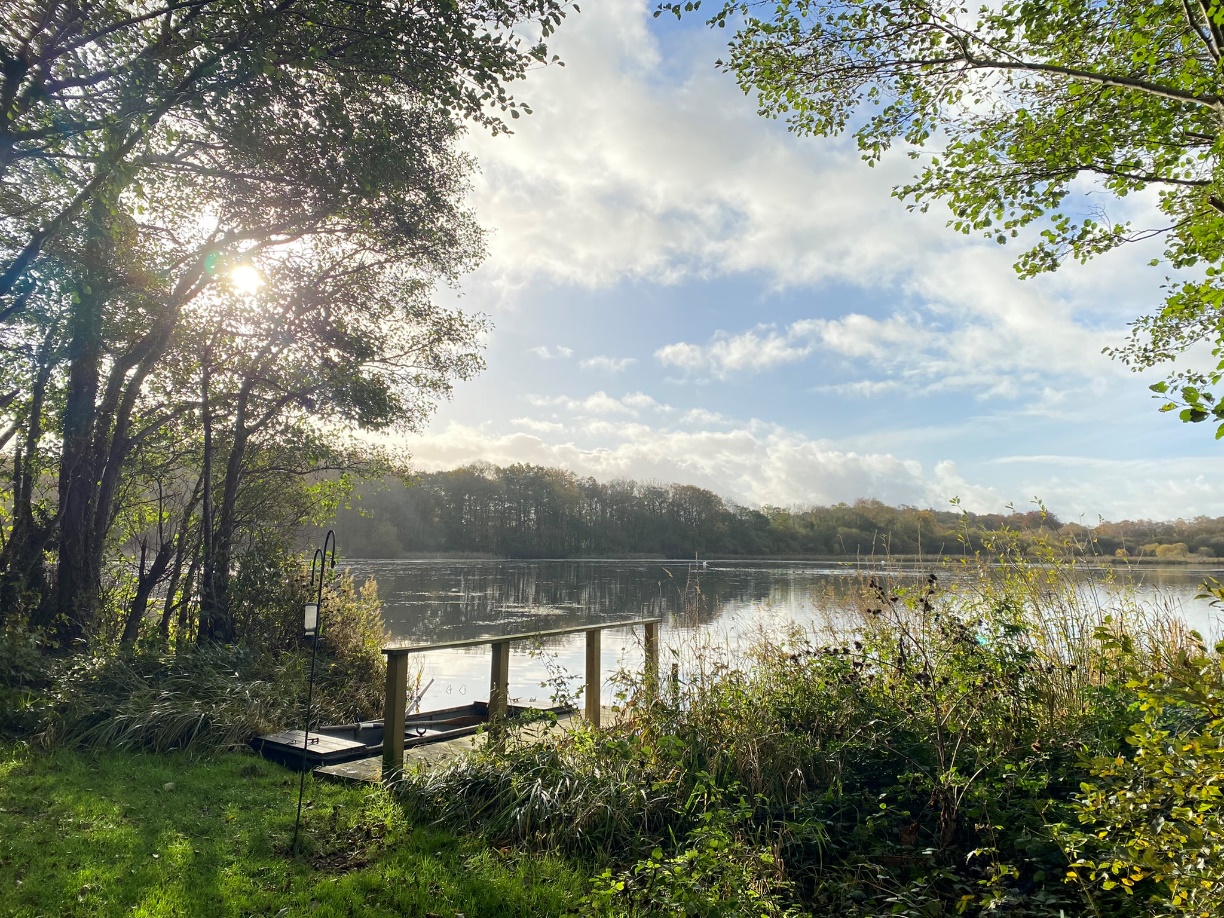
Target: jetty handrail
point(395, 703)
point(523, 636)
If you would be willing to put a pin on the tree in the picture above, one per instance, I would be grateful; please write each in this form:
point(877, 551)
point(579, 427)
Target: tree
point(328, 340)
point(1023, 101)
point(148, 148)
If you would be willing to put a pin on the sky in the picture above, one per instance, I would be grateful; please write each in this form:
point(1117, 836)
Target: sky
point(681, 291)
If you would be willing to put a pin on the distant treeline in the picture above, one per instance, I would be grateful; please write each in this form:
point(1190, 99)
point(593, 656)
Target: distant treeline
point(528, 511)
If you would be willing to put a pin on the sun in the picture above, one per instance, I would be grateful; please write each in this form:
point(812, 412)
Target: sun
point(246, 278)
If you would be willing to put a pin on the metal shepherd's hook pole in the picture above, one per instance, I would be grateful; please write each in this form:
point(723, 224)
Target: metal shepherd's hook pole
point(320, 564)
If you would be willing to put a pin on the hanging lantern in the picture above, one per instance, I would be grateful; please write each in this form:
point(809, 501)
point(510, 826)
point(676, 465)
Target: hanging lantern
point(312, 619)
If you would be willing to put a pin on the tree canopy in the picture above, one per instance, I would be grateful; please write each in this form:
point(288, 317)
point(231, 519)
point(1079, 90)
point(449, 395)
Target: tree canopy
point(1013, 111)
point(153, 156)
point(529, 511)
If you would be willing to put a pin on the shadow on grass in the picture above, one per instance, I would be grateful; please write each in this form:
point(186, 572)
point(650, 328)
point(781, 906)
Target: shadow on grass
point(107, 833)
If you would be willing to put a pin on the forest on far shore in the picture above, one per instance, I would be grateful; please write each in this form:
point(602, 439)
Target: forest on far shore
point(529, 511)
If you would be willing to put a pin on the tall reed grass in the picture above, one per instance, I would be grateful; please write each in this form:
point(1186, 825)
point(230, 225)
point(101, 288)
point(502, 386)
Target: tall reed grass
point(209, 697)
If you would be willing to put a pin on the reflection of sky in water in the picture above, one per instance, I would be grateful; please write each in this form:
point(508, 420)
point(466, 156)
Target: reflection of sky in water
point(461, 675)
point(717, 603)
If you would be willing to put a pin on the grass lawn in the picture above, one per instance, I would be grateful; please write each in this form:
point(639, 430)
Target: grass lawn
point(109, 833)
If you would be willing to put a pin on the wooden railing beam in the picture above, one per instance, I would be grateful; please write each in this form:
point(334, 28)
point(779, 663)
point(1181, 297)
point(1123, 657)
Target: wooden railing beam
point(524, 636)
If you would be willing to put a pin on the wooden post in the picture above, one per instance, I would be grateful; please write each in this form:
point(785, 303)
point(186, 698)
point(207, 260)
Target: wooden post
point(499, 681)
point(394, 706)
point(592, 676)
point(650, 668)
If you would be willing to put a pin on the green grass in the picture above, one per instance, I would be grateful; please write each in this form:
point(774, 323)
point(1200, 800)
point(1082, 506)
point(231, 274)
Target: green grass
point(118, 833)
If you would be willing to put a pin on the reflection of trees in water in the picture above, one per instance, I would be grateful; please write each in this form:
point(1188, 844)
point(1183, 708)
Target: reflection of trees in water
point(452, 600)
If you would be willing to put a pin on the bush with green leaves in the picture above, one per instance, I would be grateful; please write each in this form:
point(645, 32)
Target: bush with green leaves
point(23, 676)
point(352, 671)
point(216, 696)
point(1152, 816)
point(719, 868)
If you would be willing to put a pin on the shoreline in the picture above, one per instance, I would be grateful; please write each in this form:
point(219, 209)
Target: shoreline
point(1101, 563)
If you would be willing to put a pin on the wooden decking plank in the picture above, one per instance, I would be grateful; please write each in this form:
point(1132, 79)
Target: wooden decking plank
point(319, 742)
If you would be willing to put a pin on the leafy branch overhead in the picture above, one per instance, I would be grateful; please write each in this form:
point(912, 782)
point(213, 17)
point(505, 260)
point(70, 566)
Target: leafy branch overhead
point(1014, 111)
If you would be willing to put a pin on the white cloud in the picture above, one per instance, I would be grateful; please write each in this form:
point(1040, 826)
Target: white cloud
point(537, 426)
point(607, 364)
point(686, 356)
point(644, 401)
point(557, 353)
point(1016, 352)
point(601, 403)
point(700, 417)
point(855, 335)
point(864, 388)
point(753, 351)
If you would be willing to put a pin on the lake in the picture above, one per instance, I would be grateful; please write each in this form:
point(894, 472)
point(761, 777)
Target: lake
point(721, 602)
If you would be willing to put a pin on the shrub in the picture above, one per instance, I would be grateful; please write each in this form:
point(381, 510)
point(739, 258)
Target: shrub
point(1154, 813)
point(717, 870)
point(352, 673)
point(212, 697)
point(21, 662)
point(23, 676)
point(218, 696)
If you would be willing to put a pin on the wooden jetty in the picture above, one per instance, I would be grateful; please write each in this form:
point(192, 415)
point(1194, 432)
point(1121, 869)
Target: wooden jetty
point(392, 761)
point(369, 770)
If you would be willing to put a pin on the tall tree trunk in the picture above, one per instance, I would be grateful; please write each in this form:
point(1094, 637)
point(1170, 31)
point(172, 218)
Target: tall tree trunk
point(78, 581)
point(146, 580)
point(206, 629)
point(79, 567)
point(183, 539)
point(183, 637)
point(172, 587)
point(23, 575)
point(216, 622)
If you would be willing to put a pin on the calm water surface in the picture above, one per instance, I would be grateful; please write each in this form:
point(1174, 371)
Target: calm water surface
point(720, 602)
